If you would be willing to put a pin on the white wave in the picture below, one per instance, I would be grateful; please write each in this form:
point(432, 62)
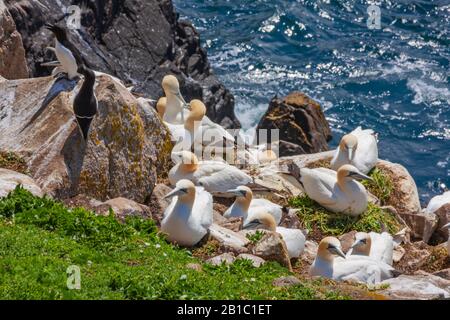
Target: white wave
point(427, 93)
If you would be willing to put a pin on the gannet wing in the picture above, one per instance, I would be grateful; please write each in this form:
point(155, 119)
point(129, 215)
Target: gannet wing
point(221, 177)
point(203, 206)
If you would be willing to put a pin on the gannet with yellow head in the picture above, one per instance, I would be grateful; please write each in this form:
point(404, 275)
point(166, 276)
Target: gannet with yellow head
point(189, 216)
point(359, 149)
point(338, 192)
point(379, 247)
point(175, 112)
point(294, 238)
point(245, 206)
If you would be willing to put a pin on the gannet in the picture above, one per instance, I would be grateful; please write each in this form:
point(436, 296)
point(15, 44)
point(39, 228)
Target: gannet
point(189, 216)
point(359, 149)
point(161, 106)
point(294, 238)
point(245, 206)
point(215, 176)
point(175, 112)
point(437, 202)
point(331, 263)
point(85, 103)
point(379, 247)
point(448, 241)
point(337, 192)
point(68, 55)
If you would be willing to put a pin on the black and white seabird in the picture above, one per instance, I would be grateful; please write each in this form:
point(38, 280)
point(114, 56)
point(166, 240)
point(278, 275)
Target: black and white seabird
point(85, 103)
point(68, 55)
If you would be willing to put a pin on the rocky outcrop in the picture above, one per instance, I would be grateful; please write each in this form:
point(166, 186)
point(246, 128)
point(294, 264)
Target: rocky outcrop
point(9, 180)
point(13, 64)
point(271, 247)
point(139, 41)
point(126, 148)
point(302, 124)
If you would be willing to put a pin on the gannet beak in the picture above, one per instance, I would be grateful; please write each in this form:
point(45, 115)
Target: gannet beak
point(447, 226)
point(350, 153)
point(339, 252)
point(175, 192)
point(236, 192)
point(356, 243)
point(181, 99)
point(360, 176)
point(187, 107)
point(250, 225)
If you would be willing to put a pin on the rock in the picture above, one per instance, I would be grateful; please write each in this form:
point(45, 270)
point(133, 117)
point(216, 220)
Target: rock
point(227, 237)
point(219, 219)
point(233, 224)
point(256, 261)
point(406, 197)
point(420, 286)
point(416, 255)
point(302, 124)
point(275, 183)
point(137, 41)
point(347, 240)
point(291, 220)
point(421, 225)
point(127, 147)
point(272, 248)
point(227, 258)
point(158, 203)
point(443, 214)
point(10, 179)
point(443, 273)
point(84, 201)
point(124, 208)
point(288, 281)
point(310, 252)
point(194, 266)
point(13, 64)
point(398, 254)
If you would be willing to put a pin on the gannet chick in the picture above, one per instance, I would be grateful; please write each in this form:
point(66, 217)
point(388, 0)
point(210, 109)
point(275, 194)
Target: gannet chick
point(215, 176)
point(294, 238)
point(68, 55)
point(175, 112)
point(337, 192)
point(448, 241)
point(379, 247)
point(328, 264)
point(245, 206)
point(437, 202)
point(359, 149)
point(188, 217)
point(85, 103)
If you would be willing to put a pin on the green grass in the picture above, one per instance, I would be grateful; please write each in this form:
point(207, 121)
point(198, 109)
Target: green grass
point(316, 218)
point(381, 186)
point(40, 239)
point(11, 161)
point(256, 236)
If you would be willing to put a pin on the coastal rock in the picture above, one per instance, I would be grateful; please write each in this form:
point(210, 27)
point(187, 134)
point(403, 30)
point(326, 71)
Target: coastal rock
point(406, 197)
point(445, 274)
point(13, 64)
point(225, 258)
point(256, 261)
point(271, 247)
point(443, 215)
point(416, 255)
point(302, 124)
point(310, 252)
point(291, 220)
point(10, 179)
point(158, 203)
point(420, 286)
point(124, 208)
point(84, 201)
point(421, 225)
point(137, 41)
point(228, 237)
point(126, 148)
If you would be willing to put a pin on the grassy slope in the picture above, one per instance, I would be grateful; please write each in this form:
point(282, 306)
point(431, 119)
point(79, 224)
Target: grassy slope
point(40, 238)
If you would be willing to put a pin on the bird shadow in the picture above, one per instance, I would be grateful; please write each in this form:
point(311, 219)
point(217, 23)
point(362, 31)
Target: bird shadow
point(61, 84)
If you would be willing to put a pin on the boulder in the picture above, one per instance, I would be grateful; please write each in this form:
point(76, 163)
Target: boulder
point(291, 220)
point(405, 197)
point(288, 281)
point(157, 202)
point(10, 179)
point(271, 247)
point(137, 41)
point(302, 124)
point(127, 145)
point(443, 215)
point(310, 252)
point(420, 286)
point(13, 64)
point(443, 273)
point(416, 256)
point(228, 239)
point(422, 225)
point(225, 258)
point(124, 208)
point(256, 261)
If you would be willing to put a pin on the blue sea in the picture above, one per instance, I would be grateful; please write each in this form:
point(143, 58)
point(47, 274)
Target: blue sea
point(394, 79)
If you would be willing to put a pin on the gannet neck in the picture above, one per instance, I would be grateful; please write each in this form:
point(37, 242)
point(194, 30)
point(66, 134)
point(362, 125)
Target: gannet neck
point(263, 220)
point(342, 179)
point(189, 162)
point(161, 106)
point(195, 117)
point(244, 202)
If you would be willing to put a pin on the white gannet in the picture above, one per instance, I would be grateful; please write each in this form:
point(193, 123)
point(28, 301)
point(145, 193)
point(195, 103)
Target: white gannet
point(189, 216)
point(294, 238)
point(328, 264)
point(448, 241)
point(379, 247)
point(175, 112)
point(245, 206)
point(359, 149)
point(337, 192)
point(161, 106)
point(215, 176)
point(437, 202)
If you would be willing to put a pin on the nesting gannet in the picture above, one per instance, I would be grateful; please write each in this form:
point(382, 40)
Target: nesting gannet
point(448, 241)
point(437, 202)
point(245, 206)
point(188, 217)
point(359, 149)
point(215, 176)
point(294, 238)
point(175, 112)
point(68, 55)
point(337, 192)
point(379, 247)
point(85, 103)
point(328, 264)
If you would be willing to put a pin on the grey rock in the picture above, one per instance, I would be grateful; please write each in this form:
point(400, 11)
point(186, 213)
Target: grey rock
point(256, 261)
point(225, 258)
point(9, 180)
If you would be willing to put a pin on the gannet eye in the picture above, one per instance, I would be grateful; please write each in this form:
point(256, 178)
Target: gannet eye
point(364, 241)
